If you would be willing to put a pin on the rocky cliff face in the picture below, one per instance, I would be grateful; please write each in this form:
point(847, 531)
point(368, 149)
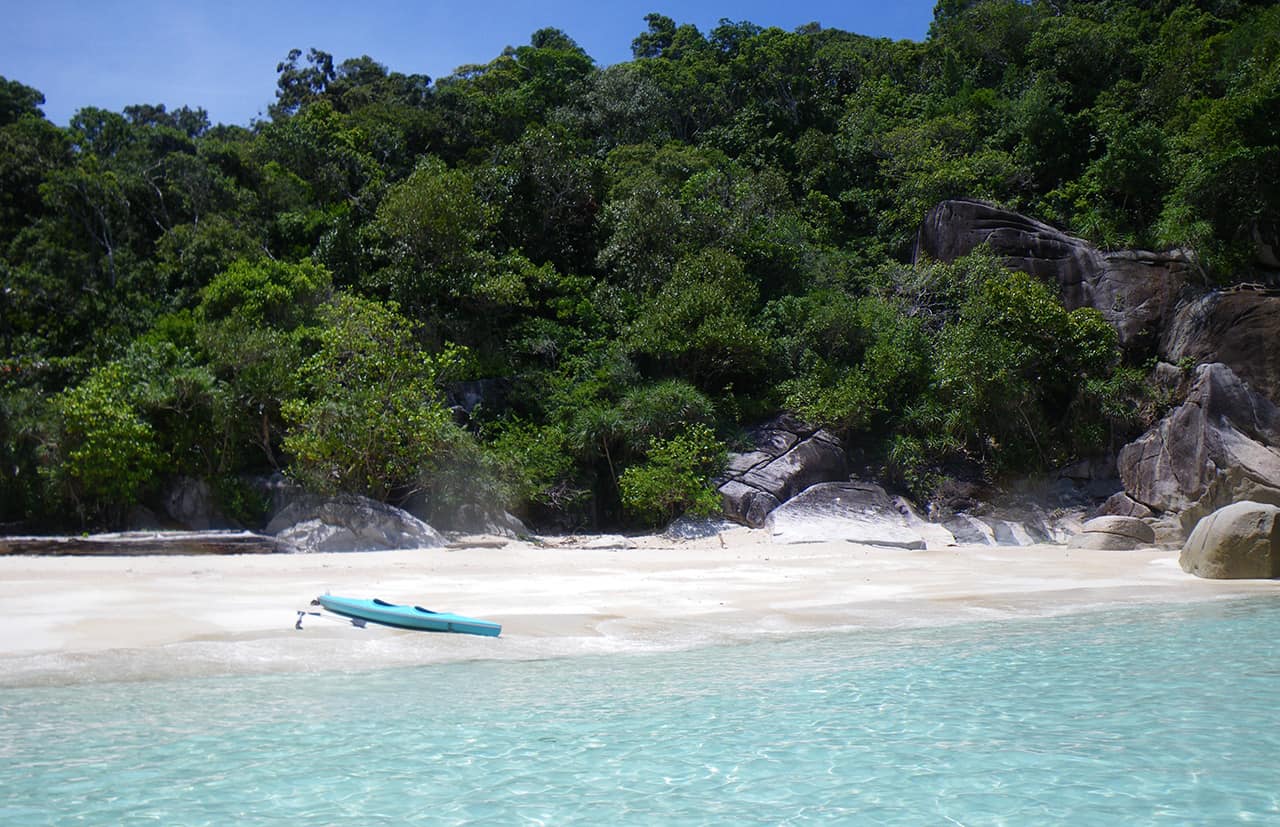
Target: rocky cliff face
point(1222, 444)
point(1239, 327)
point(1157, 302)
point(1136, 291)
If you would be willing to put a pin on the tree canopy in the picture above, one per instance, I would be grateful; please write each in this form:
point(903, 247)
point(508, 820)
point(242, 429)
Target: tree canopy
point(645, 258)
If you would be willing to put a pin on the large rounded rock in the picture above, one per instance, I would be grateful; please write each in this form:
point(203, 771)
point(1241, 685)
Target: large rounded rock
point(1241, 541)
point(1114, 533)
point(348, 522)
point(1121, 504)
point(857, 512)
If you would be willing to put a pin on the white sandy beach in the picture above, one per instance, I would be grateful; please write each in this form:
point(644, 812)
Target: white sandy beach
point(85, 619)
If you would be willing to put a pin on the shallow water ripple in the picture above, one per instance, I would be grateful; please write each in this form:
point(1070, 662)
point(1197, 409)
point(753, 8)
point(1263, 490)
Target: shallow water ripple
point(1151, 715)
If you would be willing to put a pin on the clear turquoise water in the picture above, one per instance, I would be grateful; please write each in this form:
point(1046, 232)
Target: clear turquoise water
point(1149, 715)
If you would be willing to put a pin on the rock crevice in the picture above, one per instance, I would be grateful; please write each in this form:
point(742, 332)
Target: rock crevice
point(786, 457)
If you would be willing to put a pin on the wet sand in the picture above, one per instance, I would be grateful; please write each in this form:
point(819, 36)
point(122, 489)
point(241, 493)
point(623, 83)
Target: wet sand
point(73, 620)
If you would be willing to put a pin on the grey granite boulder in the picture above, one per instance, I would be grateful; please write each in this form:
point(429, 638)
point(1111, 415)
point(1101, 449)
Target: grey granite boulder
point(1239, 327)
point(189, 502)
point(1240, 541)
point(745, 504)
point(696, 528)
point(857, 512)
point(1114, 533)
point(1220, 446)
point(1121, 504)
point(1003, 529)
point(1027, 517)
point(477, 519)
point(787, 457)
point(1134, 290)
point(348, 522)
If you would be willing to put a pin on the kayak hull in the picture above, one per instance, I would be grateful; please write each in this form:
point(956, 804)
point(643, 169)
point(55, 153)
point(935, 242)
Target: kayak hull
point(407, 617)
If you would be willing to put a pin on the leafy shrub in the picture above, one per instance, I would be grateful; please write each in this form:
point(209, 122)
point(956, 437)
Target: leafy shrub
point(858, 361)
point(676, 477)
point(1011, 364)
point(256, 323)
point(698, 325)
point(105, 454)
point(537, 465)
point(370, 420)
point(661, 409)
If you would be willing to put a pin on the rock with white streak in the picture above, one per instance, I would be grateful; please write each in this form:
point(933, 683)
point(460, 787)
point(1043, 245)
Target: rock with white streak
point(350, 523)
point(856, 512)
point(787, 456)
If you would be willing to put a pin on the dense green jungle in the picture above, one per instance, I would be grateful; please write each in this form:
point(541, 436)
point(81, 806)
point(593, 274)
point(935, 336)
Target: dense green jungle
point(626, 265)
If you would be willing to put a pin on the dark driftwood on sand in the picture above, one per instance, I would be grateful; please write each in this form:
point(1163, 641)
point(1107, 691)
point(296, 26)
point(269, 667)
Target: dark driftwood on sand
point(149, 542)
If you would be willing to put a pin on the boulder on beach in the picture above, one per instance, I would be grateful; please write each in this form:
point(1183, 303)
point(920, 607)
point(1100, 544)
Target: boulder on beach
point(998, 530)
point(1027, 512)
point(1121, 504)
point(348, 522)
point(787, 456)
point(857, 512)
point(1240, 541)
point(478, 519)
point(1114, 533)
point(189, 502)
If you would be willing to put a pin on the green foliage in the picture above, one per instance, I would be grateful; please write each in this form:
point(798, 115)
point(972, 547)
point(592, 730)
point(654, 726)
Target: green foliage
point(105, 454)
point(538, 466)
point(708, 233)
point(676, 477)
point(434, 221)
point(1227, 164)
point(265, 294)
point(23, 414)
point(17, 101)
point(182, 401)
point(256, 322)
point(660, 409)
point(369, 419)
point(549, 190)
point(858, 362)
point(644, 239)
point(1010, 365)
point(698, 325)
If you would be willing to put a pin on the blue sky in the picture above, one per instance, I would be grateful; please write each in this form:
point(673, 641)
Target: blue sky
point(222, 55)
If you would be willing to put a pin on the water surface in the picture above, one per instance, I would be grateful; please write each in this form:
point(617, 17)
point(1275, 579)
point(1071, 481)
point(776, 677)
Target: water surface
point(1155, 714)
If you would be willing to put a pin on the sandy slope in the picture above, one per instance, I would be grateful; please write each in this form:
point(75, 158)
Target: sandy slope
point(81, 619)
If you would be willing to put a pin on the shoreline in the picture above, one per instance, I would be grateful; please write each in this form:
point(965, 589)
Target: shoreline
point(77, 620)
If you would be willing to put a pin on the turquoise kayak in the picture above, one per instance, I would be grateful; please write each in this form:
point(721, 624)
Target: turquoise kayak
point(407, 617)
